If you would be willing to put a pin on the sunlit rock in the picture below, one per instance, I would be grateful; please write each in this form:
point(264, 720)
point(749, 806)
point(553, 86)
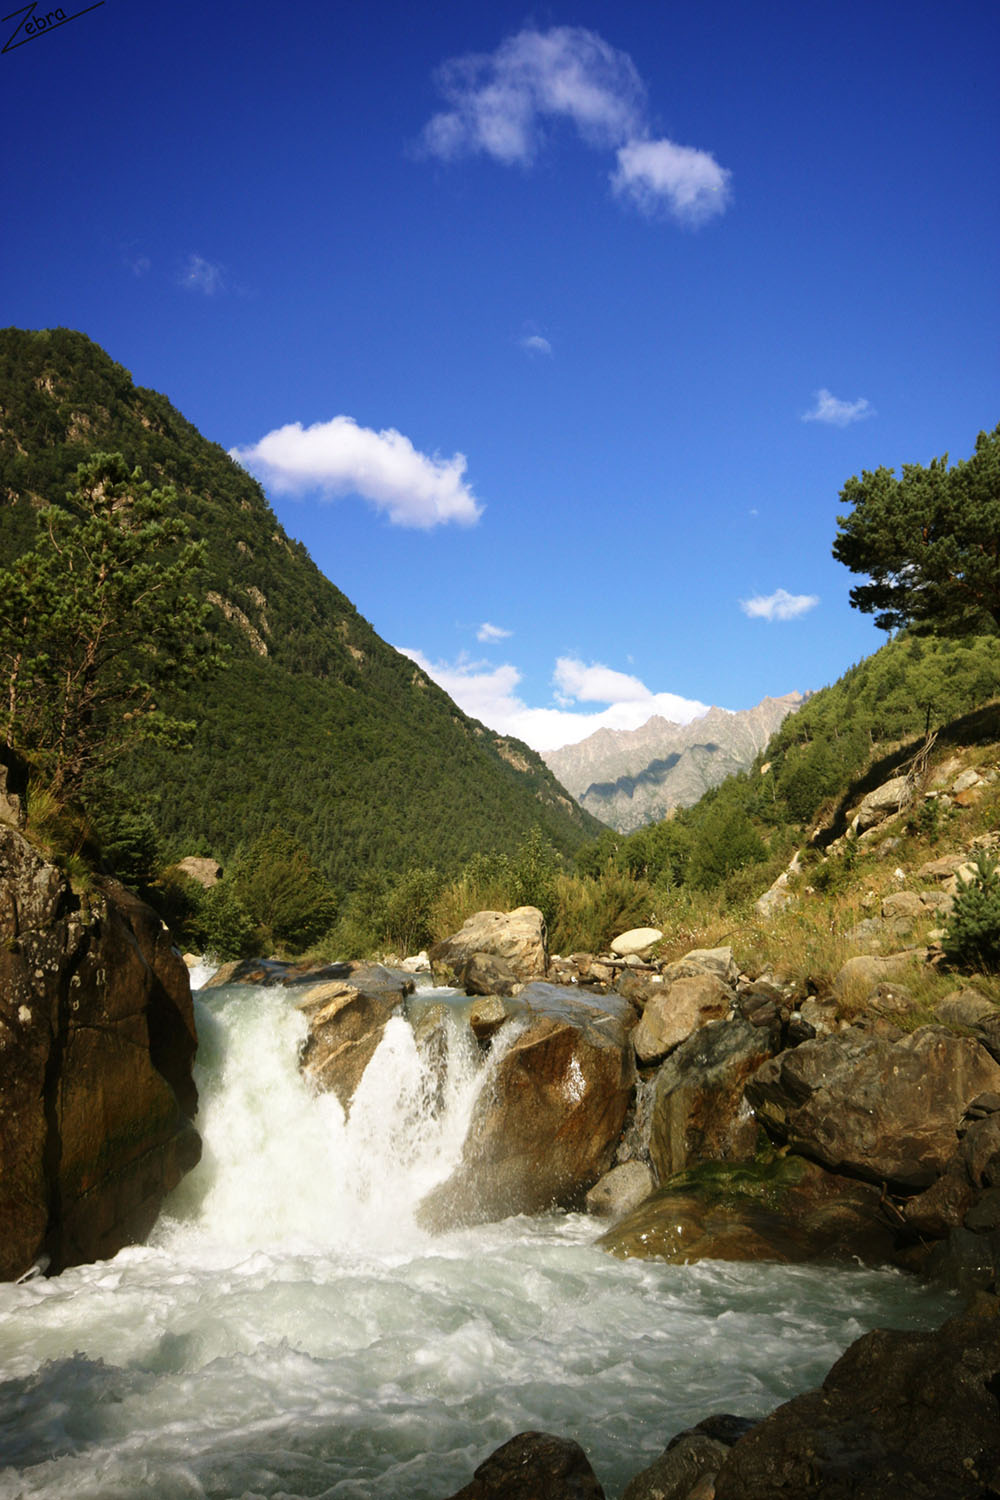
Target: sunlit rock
point(517, 937)
point(788, 1210)
point(346, 1020)
point(620, 1191)
point(676, 1010)
point(546, 1124)
point(699, 1112)
point(638, 940)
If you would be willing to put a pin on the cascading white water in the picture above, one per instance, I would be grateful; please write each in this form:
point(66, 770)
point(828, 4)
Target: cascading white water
point(291, 1332)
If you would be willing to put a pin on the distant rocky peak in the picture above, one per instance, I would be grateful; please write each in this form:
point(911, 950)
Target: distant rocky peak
point(629, 777)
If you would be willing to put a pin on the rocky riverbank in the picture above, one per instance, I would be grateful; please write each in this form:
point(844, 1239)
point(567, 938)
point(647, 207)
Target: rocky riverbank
point(97, 1041)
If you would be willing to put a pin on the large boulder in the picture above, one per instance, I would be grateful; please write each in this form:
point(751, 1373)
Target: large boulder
point(347, 1018)
point(97, 1040)
point(546, 1123)
point(699, 1113)
point(901, 1416)
point(517, 937)
point(676, 1010)
point(885, 1110)
point(786, 1210)
point(884, 800)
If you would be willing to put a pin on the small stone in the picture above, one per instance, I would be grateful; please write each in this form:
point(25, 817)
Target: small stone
point(638, 940)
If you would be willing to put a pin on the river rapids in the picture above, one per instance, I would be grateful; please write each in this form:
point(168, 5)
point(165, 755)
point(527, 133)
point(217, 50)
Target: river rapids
point(291, 1332)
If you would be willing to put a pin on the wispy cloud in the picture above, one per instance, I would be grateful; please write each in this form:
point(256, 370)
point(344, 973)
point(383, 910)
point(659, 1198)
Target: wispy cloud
point(836, 413)
point(489, 693)
point(781, 605)
point(501, 104)
point(201, 275)
point(500, 101)
point(533, 343)
point(489, 634)
point(340, 458)
point(661, 177)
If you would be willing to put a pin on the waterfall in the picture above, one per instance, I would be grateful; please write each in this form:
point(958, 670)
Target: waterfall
point(291, 1332)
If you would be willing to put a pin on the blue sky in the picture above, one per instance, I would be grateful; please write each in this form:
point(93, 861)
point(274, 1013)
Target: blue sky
point(553, 333)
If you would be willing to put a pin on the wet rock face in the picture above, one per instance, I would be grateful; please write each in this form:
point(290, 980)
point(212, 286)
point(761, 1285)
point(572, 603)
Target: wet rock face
point(97, 1039)
point(788, 1210)
point(546, 1125)
point(347, 1019)
point(901, 1416)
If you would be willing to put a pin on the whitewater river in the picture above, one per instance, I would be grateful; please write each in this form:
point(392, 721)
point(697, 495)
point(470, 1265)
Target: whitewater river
point(290, 1332)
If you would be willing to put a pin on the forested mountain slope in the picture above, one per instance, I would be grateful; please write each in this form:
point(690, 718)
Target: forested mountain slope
point(317, 725)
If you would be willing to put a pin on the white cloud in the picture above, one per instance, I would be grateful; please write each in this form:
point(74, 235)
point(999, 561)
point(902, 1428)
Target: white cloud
point(596, 683)
point(501, 102)
point(200, 275)
point(340, 458)
point(489, 694)
point(781, 605)
point(660, 176)
point(828, 408)
point(535, 344)
point(491, 633)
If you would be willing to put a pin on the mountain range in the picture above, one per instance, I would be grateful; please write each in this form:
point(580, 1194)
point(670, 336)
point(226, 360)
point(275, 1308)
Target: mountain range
point(317, 726)
point(630, 777)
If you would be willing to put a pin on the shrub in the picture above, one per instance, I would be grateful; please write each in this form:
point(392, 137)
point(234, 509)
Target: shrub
point(407, 915)
point(590, 911)
point(283, 892)
point(227, 927)
point(972, 937)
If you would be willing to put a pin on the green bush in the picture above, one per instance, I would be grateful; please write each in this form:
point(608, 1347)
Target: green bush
point(283, 892)
point(228, 930)
point(972, 937)
point(591, 911)
point(407, 916)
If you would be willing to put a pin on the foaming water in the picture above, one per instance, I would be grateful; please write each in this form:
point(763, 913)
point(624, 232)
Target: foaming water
point(291, 1332)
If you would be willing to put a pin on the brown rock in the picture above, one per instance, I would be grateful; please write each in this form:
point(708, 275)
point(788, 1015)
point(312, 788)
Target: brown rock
point(534, 1466)
point(884, 1110)
point(346, 1021)
point(673, 1475)
point(965, 1008)
point(789, 1210)
point(546, 1126)
point(682, 1007)
point(901, 1416)
point(698, 1111)
point(519, 937)
point(97, 1039)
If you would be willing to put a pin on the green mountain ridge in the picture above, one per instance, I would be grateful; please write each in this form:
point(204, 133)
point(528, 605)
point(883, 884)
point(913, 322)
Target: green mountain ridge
point(318, 725)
